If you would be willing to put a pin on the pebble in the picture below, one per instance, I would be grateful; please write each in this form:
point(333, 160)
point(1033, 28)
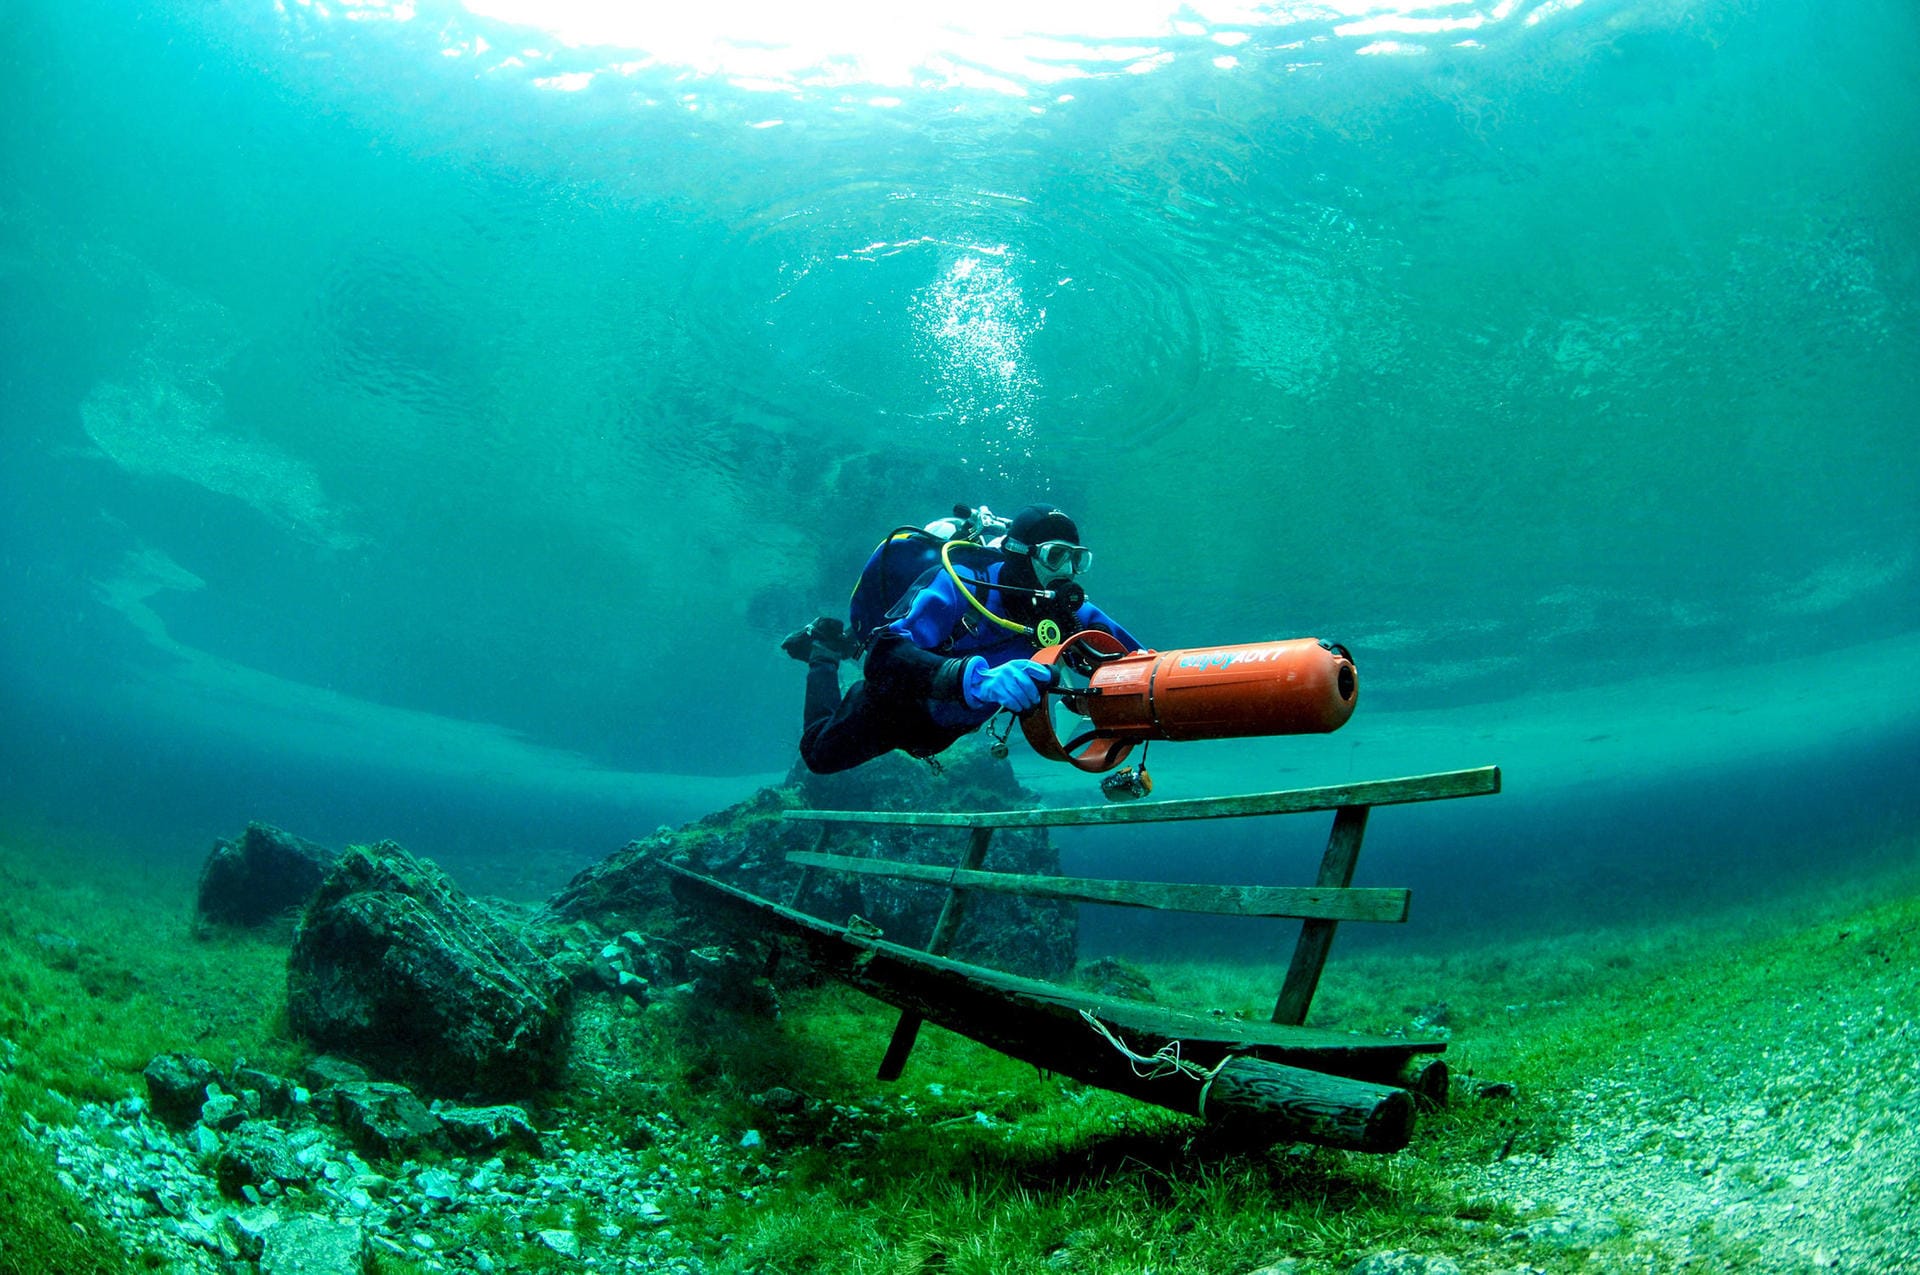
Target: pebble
point(372, 1183)
point(438, 1187)
point(154, 1189)
point(1786, 1170)
point(1800, 1170)
point(565, 1243)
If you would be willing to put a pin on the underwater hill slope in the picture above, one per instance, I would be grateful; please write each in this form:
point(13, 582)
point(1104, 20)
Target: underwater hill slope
point(1747, 1107)
point(1731, 1094)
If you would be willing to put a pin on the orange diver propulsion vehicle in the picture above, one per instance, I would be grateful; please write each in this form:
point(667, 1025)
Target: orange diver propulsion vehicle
point(1105, 699)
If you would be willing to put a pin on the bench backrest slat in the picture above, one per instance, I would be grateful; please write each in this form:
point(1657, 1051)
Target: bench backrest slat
point(1221, 900)
point(1322, 906)
point(1380, 792)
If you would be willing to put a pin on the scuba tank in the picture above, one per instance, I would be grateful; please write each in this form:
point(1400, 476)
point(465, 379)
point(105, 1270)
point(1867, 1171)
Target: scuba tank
point(982, 526)
point(909, 553)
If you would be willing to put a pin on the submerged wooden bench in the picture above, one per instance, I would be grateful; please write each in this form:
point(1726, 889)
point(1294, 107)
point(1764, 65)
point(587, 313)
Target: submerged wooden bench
point(1336, 1088)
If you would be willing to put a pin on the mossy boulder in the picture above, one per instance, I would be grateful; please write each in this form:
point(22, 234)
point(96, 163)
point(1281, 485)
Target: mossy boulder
point(384, 1119)
point(314, 1246)
point(265, 874)
point(746, 845)
point(177, 1087)
point(257, 1153)
point(393, 965)
point(484, 1130)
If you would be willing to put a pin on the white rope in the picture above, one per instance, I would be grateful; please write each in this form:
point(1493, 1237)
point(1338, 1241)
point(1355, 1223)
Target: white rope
point(1165, 1061)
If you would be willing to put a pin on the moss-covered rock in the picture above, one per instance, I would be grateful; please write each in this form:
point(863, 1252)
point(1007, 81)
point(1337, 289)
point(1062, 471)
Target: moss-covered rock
point(265, 874)
point(257, 1153)
point(747, 844)
point(395, 966)
point(177, 1086)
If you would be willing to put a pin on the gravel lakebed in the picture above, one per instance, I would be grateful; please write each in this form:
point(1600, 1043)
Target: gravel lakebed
point(1785, 1140)
point(1782, 1138)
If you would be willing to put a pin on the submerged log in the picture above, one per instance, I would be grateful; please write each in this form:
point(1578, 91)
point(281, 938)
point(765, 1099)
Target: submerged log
point(1145, 1052)
point(1330, 1110)
point(1427, 1078)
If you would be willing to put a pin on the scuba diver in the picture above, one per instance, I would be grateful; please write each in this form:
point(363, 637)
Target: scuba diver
point(951, 649)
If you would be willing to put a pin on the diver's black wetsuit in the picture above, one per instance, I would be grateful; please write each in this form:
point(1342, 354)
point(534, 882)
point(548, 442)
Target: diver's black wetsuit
point(911, 698)
point(840, 733)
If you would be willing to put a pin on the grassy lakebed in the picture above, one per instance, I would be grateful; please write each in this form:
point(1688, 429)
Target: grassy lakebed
point(1739, 1092)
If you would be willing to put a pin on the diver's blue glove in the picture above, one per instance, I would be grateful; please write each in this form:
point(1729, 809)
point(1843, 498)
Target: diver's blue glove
point(1014, 685)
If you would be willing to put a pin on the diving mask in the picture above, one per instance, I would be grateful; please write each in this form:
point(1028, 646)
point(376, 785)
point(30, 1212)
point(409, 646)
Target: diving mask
point(1062, 557)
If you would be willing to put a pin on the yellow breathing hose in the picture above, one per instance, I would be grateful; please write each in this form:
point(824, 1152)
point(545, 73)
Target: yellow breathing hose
point(967, 593)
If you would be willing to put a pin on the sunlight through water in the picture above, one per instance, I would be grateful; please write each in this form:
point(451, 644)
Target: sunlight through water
point(1010, 47)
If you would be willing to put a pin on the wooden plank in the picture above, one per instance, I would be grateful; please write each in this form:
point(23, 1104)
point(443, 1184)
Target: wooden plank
point(1314, 1047)
point(1222, 900)
point(1265, 1082)
point(907, 1030)
point(799, 890)
point(950, 912)
point(1316, 937)
point(1379, 792)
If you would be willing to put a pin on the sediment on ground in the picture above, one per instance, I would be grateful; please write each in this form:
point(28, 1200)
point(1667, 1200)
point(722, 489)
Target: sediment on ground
point(1739, 1093)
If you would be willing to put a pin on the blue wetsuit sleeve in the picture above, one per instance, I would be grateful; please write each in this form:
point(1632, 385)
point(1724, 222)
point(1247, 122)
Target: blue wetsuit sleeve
point(1090, 616)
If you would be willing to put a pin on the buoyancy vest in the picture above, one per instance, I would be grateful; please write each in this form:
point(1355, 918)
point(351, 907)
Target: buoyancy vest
point(899, 567)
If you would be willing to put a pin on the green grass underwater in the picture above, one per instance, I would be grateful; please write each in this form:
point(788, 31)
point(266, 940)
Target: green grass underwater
point(972, 1162)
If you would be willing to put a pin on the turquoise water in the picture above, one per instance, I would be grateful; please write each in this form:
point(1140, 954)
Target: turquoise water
point(422, 425)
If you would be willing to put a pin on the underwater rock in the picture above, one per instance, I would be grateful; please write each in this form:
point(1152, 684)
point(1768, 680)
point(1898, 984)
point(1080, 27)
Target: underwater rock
point(385, 1119)
point(311, 1246)
point(624, 891)
point(160, 1198)
point(271, 1095)
point(565, 1243)
point(780, 1100)
point(635, 966)
point(1570, 1232)
point(256, 1154)
point(439, 1190)
point(395, 965)
point(1110, 976)
point(326, 1071)
point(477, 1130)
point(203, 1142)
point(222, 1112)
point(248, 1230)
point(1401, 1262)
point(177, 1087)
point(969, 778)
point(726, 978)
point(746, 845)
point(1026, 936)
point(264, 874)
